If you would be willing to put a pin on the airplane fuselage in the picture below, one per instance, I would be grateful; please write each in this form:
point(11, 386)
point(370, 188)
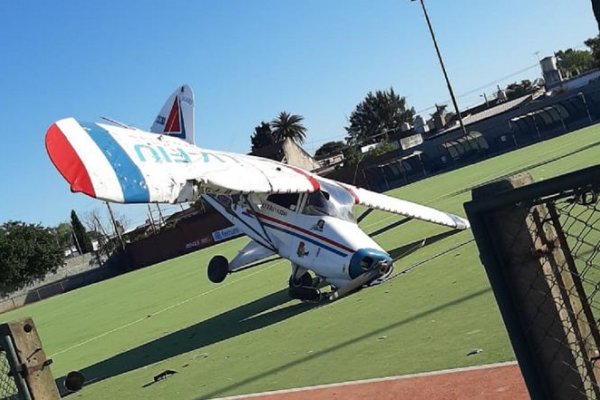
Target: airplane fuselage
point(332, 246)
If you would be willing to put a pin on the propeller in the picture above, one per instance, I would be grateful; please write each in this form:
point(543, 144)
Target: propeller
point(381, 269)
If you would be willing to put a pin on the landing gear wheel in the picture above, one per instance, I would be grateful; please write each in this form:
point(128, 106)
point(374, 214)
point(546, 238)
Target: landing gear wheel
point(302, 288)
point(304, 293)
point(304, 281)
point(218, 268)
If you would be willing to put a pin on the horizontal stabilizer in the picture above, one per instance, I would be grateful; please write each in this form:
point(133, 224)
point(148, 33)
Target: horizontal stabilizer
point(251, 253)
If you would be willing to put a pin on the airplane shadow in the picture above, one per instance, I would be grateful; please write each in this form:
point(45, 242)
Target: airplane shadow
point(344, 341)
point(410, 248)
point(390, 227)
point(246, 318)
point(243, 319)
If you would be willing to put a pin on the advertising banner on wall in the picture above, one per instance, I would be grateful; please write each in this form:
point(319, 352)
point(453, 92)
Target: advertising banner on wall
point(227, 233)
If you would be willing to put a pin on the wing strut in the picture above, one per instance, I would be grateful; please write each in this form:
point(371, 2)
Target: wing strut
point(262, 227)
point(228, 213)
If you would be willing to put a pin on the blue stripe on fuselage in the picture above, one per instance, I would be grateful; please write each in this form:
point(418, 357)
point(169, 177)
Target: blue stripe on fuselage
point(129, 175)
point(313, 241)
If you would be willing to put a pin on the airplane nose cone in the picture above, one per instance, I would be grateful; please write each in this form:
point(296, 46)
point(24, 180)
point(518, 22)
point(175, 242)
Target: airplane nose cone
point(364, 260)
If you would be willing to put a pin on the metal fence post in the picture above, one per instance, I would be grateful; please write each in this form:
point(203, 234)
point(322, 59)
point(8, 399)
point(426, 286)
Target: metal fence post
point(28, 361)
point(524, 260)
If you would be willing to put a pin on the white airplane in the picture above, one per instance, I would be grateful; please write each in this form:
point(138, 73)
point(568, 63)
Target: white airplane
point(285, 210)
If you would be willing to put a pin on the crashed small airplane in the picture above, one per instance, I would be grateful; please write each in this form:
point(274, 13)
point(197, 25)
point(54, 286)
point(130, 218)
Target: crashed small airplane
point(285, 210)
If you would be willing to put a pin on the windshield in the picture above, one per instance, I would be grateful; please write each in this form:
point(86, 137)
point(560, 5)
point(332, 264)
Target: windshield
point(331, 200)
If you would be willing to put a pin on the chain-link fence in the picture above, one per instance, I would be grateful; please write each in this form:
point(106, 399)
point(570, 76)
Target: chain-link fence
point(12, 383)
point(540, 245)
point(8, 385)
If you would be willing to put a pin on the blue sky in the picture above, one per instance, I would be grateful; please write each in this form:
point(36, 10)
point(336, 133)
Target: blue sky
point(247, 61)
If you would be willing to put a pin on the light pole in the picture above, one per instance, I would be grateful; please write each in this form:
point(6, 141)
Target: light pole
point(437, 49)
point(487, 104)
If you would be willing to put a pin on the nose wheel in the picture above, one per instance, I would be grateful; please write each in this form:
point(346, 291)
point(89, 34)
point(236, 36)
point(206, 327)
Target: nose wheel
point(302, 288)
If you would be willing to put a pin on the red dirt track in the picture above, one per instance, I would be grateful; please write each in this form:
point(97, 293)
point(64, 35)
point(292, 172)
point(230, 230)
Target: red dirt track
point(495, 382)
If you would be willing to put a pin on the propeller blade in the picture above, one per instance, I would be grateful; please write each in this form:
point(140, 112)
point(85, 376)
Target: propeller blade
point(354, 284)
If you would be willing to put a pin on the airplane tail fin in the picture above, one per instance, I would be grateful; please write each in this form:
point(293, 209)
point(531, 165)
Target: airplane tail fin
point(176, 117)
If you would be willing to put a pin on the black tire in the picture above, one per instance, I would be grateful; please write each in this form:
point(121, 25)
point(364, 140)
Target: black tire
point(218, 268)
point(304, 293)
point(74, 381)
point(304, 281)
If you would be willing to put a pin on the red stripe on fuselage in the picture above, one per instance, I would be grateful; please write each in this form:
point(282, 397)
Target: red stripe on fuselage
point(306, 232)
point(315, 183)
point(65, 159)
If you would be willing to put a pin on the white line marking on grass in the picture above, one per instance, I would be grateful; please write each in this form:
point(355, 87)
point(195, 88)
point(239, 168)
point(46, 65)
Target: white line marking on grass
point(373, 380)
point(127, 325)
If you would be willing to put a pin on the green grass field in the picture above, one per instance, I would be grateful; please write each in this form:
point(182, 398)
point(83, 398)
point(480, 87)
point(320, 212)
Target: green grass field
point(245, 335)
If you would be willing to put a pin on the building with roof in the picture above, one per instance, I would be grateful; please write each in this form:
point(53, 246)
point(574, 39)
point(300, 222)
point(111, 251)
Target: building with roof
point(288, 152)
point(493, 127)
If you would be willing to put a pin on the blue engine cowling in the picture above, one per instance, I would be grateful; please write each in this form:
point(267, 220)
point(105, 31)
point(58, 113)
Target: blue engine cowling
point(364, 260)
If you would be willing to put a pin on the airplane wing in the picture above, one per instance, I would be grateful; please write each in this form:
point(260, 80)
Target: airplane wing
point(394, 205)
point(125, 165)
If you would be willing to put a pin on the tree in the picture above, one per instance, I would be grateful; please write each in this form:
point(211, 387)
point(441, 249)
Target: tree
point(82, 240)
point(95, 223)
point(573, 62)
point(594, 45)
point(378, 115)
point(330, 148)
point(64, 235)
point(262, 136)
point(519, 89)
point(352, 155)
point(382, 148)
point(596, 8)
point(289, 126)
point(27, 253)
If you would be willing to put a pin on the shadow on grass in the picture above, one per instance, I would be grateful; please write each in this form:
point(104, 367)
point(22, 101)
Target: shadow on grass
point(243, 319)
point(246, 318)
point(389, 227)
point(410, 248)
point(343, 343)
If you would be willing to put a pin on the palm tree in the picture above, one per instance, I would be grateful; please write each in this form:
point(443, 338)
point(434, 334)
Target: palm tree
point(288, 125)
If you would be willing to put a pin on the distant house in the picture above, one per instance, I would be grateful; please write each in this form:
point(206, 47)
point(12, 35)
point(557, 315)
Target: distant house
point(330, 159)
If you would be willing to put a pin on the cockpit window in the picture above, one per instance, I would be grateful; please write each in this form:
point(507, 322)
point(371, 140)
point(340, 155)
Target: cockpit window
point(287, 200)
point(318, 203)
point(330, 200)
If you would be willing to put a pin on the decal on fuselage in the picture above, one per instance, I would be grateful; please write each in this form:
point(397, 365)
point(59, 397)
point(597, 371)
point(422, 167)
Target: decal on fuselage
point(318, 226)
point(159, 154)
point(274, 209)
point(187, 100)
point(301, 251)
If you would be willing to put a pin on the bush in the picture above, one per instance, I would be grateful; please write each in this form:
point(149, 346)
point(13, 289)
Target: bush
point(27, 253)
